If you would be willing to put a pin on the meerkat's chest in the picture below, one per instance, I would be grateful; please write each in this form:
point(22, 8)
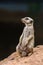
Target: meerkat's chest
point(27, 31)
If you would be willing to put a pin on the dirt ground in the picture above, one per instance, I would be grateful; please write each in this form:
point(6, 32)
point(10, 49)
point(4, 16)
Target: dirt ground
point(35, 59)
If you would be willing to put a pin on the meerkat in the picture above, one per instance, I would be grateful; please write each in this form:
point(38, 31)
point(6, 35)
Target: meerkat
point(26, 41)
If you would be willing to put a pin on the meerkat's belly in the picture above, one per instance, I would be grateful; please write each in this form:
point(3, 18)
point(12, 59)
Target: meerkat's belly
point(26, 32)
point(24, 42)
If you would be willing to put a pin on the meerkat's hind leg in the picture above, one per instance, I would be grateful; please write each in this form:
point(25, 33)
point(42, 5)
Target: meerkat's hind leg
point(30, 52)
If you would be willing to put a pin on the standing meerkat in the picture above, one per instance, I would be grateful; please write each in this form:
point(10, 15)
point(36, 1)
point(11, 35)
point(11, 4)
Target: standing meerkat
point(26, 41)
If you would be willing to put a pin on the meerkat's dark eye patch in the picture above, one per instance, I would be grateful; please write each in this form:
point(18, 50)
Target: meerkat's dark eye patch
point(26, 19)
point(30, 21)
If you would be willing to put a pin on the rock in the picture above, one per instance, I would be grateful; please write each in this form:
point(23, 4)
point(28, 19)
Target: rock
point(35, 59)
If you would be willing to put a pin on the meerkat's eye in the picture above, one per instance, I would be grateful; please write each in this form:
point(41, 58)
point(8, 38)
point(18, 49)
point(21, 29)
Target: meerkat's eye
point(26, 19)
point(30, 21)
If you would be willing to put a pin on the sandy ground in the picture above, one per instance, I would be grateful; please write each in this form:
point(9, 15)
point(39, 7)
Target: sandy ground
point(35, 59)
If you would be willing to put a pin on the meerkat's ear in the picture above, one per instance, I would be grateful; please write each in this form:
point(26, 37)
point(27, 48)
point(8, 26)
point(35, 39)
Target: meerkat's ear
point(33, 21)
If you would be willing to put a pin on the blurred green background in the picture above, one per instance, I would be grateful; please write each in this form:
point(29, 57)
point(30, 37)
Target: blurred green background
point(11, 26)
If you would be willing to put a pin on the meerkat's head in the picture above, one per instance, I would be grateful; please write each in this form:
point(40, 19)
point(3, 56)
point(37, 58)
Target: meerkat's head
point(27, 21)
